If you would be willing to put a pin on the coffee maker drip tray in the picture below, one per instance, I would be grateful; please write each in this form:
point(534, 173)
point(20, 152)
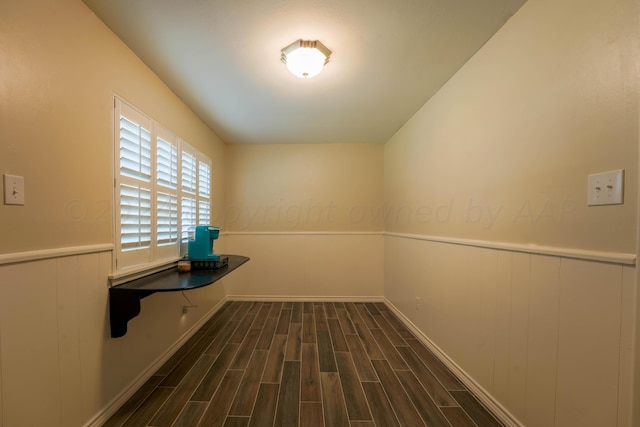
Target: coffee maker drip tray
point(209, 264)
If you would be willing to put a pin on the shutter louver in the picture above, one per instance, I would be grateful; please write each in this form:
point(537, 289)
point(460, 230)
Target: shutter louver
point(167, 164)
point(204, 180)
point(135, 150)
point(135, 217)
point(188, 215)
point(204, 192)
point(167, 203)
point(189, 173)
point(204, 212)
point(167, 218)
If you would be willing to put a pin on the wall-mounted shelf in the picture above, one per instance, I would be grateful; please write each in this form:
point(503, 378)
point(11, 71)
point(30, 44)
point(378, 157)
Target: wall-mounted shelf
point(124, 299)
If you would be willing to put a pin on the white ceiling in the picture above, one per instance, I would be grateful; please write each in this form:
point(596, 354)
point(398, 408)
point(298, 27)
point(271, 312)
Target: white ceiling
point(222, 58)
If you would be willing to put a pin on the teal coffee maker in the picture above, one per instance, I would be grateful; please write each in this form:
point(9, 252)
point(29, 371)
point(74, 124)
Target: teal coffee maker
point(200, 247)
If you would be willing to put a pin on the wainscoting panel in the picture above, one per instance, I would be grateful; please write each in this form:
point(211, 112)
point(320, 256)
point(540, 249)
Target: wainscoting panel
point(627, 353)
point(589, 343)
point(30, 358)
point(1, 413)
point(549, 338)
point(500, 385)
point(518, 334)
point(68, 303)
point(103, 360)
point(544, 313)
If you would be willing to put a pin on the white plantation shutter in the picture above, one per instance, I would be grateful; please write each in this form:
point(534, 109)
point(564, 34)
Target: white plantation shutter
point(167, 164)
point(133, 186)
point(204, 192)
point(189, 215)
point(204, 212)
point(135, 150)
point(189, 173)
point(162, 188)
point(204, 180)
point(135, 217)
point(189, 185)
point(167, 218)
point(196, 187)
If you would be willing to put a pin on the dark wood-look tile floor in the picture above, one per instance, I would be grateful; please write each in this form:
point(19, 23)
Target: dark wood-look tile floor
point(303, 364)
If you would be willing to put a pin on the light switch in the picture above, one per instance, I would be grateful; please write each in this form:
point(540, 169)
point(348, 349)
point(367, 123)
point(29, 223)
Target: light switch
point(13, 190)
point(605, 188)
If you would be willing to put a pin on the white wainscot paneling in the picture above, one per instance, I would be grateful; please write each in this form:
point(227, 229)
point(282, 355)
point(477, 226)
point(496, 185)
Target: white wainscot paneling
point(627, 339)
point(546, 339)
point(298, 265)
point(56, 351)
point(68, 304)
point(589, 344)
point(542, 344)
point(44, 350)
point(1, 412)
point(101, 358)
point(30, 357)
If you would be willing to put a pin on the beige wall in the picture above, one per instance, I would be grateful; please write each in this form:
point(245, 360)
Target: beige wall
point(309, 216)
point(502, 154)
point(295, 188)
point(308, 265)
point(60, 68)
point(503, 151)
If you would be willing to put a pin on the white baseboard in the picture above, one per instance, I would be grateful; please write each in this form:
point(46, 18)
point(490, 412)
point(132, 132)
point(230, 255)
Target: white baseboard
point(483, 396)
point(112, 407)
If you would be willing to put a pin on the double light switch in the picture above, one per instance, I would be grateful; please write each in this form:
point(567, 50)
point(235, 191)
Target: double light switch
point(605, 188)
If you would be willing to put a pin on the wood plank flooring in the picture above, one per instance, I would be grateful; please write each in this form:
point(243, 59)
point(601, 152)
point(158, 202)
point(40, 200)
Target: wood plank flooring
point(303, 364)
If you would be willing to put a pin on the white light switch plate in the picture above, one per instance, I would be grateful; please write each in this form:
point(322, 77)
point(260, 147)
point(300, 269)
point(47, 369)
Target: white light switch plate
point(13, 190)
point(605, 188)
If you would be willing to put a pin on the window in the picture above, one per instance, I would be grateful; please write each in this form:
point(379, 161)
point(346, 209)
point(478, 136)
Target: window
point(204, 192)
point(162, 187)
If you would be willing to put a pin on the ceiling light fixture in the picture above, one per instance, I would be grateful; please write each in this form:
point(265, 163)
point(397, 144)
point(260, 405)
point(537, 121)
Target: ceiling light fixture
point(305, 58)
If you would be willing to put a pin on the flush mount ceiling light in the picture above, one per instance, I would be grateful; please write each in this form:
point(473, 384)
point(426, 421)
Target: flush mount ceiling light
point(305, 58)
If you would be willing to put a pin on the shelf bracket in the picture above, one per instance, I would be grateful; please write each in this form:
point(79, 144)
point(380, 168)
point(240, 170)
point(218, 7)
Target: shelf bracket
point(124, 305)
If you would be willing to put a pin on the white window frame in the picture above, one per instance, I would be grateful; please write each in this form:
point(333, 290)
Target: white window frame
point(164, 243)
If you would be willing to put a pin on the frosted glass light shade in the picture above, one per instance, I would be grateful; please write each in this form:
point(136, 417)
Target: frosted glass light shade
point(305, 58)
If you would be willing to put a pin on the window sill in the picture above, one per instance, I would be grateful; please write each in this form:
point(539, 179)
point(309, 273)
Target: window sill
point(125, 275)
